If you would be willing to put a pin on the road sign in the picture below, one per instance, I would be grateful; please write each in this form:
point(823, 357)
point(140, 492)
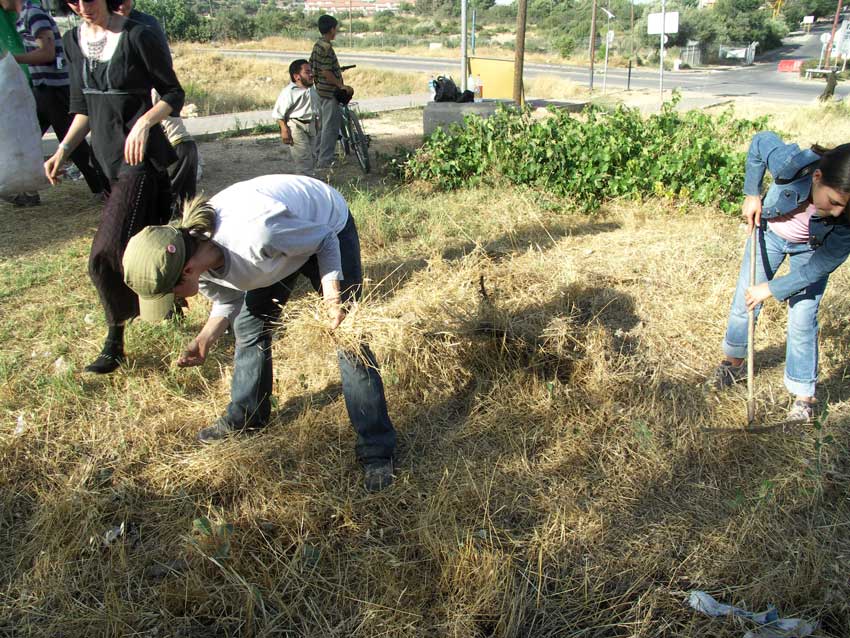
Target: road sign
point(609, 37)
point(808, 19)
point(671, 23)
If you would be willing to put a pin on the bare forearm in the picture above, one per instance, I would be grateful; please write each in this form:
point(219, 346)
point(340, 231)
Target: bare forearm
point(39, 56)
point(76, 132)
point(135, 145)
point(196, 352)
point(333, 307)
point(212, 331)
point(157, 113)
point(285, 132)
point(45, 52)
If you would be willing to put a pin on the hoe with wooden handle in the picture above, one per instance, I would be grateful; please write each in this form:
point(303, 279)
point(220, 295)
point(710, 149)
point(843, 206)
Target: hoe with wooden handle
point(751, 329)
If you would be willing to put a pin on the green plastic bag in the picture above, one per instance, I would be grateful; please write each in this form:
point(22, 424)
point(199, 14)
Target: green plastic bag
point(9, 39)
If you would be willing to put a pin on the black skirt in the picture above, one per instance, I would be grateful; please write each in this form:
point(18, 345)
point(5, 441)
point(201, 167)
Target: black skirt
point(140, 197)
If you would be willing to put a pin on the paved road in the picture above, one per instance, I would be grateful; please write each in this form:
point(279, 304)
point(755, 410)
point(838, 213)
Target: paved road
point(762, 79)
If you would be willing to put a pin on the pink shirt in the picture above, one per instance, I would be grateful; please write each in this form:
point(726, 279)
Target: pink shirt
point(793, 227)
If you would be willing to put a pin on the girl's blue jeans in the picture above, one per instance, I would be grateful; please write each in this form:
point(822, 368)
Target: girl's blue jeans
point(801, 347)
point(251, 388)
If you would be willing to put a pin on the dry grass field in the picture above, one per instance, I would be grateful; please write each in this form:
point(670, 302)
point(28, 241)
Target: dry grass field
point(543, 369)
point(343, 47)
point(277, 43)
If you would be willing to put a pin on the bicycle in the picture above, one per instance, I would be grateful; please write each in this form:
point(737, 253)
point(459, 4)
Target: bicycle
point(351, 133)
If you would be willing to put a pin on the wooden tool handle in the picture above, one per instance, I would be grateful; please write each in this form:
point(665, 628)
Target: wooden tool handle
point(751, 329)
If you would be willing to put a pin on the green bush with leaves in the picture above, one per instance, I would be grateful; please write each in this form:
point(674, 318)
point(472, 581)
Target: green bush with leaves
point(597, 156)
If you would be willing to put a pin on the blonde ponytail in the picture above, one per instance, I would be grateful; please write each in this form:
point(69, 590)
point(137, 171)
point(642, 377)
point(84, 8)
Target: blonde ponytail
point(198, 218)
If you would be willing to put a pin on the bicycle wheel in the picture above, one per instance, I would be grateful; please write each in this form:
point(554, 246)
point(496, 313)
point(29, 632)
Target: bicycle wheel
point(359, 141)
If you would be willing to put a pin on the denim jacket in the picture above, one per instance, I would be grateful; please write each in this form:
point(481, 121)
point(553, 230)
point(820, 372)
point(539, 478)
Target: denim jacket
point(829, 237)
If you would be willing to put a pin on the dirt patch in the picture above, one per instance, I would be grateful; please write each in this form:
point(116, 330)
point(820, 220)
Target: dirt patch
point(240, 158)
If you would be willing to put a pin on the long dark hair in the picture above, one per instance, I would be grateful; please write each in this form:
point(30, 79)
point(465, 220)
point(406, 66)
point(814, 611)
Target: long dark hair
point(835, 166)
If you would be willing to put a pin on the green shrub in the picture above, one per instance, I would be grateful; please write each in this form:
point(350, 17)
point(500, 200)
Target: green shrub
point(565, 45)
point(599, 156)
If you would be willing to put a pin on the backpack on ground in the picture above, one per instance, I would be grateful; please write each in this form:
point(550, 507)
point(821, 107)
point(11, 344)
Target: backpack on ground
point(445, 90)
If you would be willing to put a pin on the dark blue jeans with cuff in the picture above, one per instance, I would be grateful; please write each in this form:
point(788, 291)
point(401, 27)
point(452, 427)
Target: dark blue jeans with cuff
point(251, 389)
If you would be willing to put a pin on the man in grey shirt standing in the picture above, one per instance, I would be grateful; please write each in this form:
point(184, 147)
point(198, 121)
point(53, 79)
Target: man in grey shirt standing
point(297, 113)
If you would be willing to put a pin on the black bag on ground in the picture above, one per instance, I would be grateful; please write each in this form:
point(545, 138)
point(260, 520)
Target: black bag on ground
point(445, 90)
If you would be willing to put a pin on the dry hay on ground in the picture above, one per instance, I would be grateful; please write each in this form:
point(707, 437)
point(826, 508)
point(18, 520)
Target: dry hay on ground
point(543, 371)
point(827, 124)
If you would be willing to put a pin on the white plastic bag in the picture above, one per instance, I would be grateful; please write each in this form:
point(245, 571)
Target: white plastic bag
point(21, 161)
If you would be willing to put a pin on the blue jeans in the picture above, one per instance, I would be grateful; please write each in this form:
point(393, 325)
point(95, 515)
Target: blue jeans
point(250, 393)
point(801, 348)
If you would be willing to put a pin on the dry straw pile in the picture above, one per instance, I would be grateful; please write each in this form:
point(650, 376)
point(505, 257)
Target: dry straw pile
point(543, 370)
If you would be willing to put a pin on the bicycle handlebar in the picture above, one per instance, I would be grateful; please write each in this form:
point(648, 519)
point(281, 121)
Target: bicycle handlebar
point(345, 68)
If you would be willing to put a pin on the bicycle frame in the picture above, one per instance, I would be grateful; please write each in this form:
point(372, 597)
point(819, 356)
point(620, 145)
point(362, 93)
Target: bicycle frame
point(352, 136)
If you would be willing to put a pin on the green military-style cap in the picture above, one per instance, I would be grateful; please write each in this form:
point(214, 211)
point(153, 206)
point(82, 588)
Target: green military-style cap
point(153, 262)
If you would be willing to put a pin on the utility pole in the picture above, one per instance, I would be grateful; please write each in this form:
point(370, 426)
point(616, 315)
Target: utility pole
point(592, 41)
point(661, 50)
point(607, 45)
point(472, 37)
point(519, 49)
point(350, 28)
point(832, 35)
point(464, 60)
point(632, 38)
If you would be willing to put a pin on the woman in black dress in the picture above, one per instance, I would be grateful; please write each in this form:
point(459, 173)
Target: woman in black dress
point(114, 64)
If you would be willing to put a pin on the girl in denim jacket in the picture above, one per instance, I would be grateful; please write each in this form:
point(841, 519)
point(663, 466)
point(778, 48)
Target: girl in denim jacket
point(802, 216)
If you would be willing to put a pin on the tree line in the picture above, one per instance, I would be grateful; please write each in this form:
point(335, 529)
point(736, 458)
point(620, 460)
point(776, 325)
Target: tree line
point(559, 25)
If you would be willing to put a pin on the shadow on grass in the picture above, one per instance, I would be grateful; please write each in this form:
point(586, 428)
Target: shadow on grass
point(66, 213)
point(479, 479)
point(389, 276)
point(505, 344)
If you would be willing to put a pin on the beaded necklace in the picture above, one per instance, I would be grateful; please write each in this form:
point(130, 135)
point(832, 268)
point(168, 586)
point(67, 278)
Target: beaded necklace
point(95, 48)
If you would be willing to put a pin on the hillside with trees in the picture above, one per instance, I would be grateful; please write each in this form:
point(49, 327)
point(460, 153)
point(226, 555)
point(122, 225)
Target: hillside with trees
point(560, 27)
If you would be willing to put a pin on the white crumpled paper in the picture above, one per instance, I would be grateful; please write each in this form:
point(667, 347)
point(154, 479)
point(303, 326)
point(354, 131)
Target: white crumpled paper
point(770, 624)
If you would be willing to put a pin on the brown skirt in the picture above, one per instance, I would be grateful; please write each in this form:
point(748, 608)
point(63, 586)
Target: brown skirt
point(139, 198)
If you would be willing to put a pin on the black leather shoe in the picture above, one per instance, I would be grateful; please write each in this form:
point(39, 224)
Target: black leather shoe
point(106, 362)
